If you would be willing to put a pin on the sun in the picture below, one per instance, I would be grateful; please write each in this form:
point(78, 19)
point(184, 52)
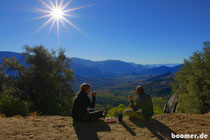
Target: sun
point(56, 12)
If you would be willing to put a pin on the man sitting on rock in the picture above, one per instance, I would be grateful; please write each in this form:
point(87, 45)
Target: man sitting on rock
point(80, 111)
point(142, 106)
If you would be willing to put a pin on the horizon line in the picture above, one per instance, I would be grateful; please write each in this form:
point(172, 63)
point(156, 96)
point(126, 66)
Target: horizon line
point(111, 60)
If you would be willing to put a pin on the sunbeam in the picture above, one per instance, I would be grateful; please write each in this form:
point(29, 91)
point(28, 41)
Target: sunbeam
point(57, 13)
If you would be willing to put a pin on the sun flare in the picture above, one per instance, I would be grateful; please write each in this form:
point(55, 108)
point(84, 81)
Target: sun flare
point(56, 13)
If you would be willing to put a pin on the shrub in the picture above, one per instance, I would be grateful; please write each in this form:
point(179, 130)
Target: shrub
point(11, 106)
point(116, 110)
point(158, 104)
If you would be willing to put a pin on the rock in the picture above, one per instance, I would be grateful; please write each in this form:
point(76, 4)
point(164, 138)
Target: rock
point(171, 105)
point(31, 136)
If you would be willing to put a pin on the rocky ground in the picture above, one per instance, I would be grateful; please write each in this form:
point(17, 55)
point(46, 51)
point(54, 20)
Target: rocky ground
point(159, 127)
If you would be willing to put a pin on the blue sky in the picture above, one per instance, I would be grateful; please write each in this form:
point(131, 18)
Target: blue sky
point(140, 31)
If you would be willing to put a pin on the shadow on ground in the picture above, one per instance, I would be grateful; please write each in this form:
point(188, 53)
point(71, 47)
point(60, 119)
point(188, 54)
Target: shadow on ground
point(128, 128)
point(158, 129)
point(89, 130)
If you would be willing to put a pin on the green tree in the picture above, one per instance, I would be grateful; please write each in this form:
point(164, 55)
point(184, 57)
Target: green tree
point(192, 82)
point(43, 79)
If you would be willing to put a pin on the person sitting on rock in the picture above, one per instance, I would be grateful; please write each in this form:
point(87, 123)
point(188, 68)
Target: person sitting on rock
point(80, 111)
point(142, 106)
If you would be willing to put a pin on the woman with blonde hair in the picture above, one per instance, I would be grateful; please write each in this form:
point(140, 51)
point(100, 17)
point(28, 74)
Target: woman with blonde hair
point(82, 102)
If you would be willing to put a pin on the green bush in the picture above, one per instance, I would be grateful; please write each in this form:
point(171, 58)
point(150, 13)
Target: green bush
point(158, 104)
point(11, 106)
point(186, 106)
point(116, 110)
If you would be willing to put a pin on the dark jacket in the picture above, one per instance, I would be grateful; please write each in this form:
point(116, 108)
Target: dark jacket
point(144, 103)
point(80, 105)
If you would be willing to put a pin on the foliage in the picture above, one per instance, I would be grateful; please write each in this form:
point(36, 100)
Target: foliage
point(158, 104)
point(11, 106)
point(192, 82)
point(44, 80)
point(116, 110)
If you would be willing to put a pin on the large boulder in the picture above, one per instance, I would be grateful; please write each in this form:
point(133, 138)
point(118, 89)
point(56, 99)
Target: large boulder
point(171, 105)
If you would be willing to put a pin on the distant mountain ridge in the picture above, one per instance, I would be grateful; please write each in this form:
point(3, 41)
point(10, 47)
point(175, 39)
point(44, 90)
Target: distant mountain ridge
point(117, 68)
point(107, 68)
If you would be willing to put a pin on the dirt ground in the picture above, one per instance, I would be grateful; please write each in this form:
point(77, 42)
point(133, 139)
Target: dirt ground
point(159, 127)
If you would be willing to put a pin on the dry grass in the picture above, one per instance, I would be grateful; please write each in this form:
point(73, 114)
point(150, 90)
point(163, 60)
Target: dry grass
point(58, 128)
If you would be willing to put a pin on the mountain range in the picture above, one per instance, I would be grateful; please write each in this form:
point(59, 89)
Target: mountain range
point(117, 76)
point(107, 68)
point(116, 68)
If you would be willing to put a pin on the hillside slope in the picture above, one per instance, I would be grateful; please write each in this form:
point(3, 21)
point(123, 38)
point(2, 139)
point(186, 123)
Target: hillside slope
point(56, 127)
